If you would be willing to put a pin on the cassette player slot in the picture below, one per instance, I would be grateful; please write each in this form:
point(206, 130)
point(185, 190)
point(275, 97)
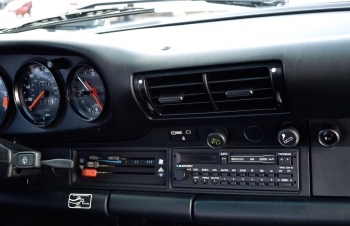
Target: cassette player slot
point(198, 158)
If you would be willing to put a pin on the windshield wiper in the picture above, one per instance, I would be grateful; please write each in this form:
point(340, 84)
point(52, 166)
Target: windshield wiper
point(79, 15)
point(249, 3)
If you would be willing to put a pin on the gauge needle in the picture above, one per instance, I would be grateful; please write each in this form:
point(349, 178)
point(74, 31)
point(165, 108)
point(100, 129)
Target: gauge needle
point(83, 84)
point(94, 94)
point(36, 100)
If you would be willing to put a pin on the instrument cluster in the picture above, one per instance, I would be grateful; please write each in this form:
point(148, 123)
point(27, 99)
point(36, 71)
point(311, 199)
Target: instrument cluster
point(41, 95)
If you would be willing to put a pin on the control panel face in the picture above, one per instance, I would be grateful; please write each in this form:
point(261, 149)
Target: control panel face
point(236, 169)
point(120, 168)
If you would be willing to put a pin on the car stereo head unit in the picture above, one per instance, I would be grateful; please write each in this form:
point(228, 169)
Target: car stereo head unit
point(248, 169)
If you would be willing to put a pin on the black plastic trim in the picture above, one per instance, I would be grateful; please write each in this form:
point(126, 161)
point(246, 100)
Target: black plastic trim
point(270, 211)
point(53, 199)
point(176, 207)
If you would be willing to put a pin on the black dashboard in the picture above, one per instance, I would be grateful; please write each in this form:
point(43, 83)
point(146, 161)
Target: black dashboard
point(239, 120)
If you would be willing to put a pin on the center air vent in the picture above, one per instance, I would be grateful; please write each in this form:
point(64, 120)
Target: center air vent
point(248, 89)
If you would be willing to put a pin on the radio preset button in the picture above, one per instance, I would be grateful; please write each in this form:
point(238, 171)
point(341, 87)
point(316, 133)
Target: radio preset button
point(251, 183)
point(284, 161)
point(271, 184)
point(285, 175)
point(232, 183)
point(223, 160)
point(261, 184)
point(285, 184)
point(223, 182)
point(242, 183)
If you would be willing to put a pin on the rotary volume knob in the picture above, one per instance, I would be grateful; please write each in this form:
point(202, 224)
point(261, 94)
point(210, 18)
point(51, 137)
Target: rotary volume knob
point(179, 174)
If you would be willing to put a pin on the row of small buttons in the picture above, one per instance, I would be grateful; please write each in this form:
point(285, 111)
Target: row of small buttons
point(282, 184)
point(289, 175)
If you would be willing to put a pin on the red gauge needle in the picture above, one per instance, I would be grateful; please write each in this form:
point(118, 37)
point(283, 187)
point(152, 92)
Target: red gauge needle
point(94, 94)
point(36, 100)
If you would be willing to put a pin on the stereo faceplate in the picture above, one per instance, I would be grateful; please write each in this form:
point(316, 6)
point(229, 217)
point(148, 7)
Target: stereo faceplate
point(247, 169)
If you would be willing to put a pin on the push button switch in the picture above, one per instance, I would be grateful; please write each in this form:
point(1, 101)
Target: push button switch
point(284, 161)
point(223, 160)
point(25, 160)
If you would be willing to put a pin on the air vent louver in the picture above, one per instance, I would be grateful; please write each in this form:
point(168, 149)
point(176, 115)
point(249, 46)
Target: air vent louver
point(242, 90)
point(234, 90)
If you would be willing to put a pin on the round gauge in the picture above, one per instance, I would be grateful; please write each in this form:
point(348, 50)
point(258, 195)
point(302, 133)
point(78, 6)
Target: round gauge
point(4, 100)
point(86, 93)
point(37, 94)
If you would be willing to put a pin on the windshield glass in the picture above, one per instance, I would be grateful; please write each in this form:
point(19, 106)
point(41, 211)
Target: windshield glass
point(14, 13)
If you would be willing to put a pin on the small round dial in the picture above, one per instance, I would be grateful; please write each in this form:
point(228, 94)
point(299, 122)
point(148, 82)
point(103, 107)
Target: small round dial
point(4, 100)
point(86, 92)
point(37, 94)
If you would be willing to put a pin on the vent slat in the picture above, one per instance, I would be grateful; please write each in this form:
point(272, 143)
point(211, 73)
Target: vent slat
point(181, 104)
point(238, 80)
point(187, 94)
point(175, 85)
point(240, 100)
point(256, 90)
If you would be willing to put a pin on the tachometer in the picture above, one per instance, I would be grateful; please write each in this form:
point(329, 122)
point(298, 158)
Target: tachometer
point(37, 94)
point(86, 93)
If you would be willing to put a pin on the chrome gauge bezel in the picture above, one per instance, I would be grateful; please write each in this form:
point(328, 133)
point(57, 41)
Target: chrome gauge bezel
point(19, 98)
point(69, 93)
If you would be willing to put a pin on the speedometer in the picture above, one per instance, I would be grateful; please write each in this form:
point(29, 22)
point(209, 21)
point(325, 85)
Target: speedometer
point(38, 94)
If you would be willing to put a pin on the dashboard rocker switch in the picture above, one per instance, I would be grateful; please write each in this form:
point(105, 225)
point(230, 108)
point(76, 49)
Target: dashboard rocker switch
point(289, 136)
